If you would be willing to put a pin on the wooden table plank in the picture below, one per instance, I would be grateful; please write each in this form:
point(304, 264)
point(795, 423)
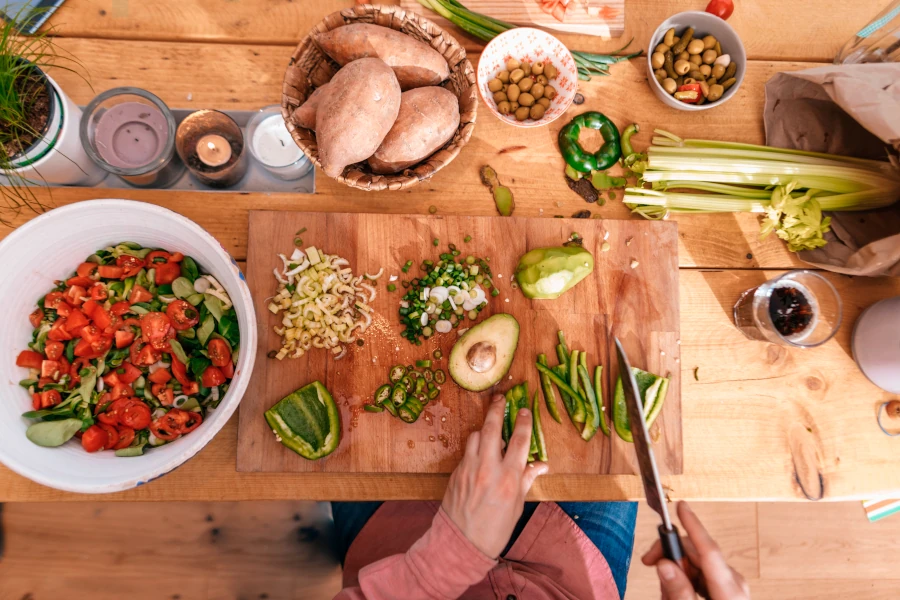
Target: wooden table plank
point(770, 29)
point(178, 71)
point(739, 417)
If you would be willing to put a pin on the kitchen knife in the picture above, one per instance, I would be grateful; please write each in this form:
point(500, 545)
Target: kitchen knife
point(668, 533)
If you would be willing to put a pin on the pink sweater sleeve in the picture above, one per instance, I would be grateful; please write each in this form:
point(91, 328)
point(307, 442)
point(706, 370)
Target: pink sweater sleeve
point(442, 564)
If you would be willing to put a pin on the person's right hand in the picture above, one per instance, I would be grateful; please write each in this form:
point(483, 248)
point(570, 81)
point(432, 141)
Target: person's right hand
point(486, 493)
point(722, 582)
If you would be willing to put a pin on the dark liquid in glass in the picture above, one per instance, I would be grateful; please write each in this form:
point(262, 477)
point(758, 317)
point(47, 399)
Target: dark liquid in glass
point(790, 310)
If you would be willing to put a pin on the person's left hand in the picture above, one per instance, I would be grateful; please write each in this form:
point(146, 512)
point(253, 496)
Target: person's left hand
point(486, 493)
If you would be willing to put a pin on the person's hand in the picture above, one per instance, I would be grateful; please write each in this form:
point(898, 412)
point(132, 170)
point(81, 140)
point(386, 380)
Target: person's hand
point(722, 582)
point(486, 493)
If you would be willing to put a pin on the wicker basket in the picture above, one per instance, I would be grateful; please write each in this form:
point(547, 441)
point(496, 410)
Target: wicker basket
point(310, 68)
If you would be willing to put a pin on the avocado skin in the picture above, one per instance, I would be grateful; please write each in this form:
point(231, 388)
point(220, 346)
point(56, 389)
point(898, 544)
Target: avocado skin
point(502, 330)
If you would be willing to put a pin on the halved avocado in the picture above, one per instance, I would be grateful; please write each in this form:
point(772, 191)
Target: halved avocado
point(483, 354)
point(547, 273)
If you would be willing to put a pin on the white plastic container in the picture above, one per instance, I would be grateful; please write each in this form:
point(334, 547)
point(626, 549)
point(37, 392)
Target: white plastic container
point(49, 247)
point(63, 160)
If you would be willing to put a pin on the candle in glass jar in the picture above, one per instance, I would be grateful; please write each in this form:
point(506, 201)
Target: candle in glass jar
point(272, 143)
point(213, 150)
point(131, 135)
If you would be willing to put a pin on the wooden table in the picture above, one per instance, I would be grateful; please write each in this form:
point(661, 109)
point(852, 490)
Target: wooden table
point(760, 421)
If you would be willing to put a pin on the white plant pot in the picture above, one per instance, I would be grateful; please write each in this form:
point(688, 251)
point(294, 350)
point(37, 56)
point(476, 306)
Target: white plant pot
point(59, 158)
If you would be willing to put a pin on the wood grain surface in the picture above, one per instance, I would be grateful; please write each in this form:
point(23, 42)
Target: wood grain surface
point(638, 304)
point(529, 13)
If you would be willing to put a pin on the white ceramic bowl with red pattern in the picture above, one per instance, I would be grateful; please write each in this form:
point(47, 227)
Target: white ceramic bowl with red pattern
point(532, 45)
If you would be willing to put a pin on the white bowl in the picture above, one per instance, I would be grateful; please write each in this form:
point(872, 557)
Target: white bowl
point(526, 43)
point(704, 24)
point(48, 248)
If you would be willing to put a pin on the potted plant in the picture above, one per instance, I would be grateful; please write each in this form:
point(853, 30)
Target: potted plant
point(39, 123)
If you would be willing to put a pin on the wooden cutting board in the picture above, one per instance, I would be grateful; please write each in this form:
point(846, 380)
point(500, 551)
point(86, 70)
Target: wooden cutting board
point(606, 19)
point(633, 293)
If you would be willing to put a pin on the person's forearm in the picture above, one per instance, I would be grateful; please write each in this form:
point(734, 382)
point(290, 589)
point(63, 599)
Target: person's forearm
point(442, 564)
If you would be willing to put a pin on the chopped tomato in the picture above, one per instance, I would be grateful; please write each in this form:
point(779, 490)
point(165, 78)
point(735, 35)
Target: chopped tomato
point(179, 370)
point(190, 389)
point(131, 265)
point(54, 350)
point(219, 352)
point(112, 435)
point(109, 417)
point(162, 430)
point(75, 294)
point(126, 436)
point(228, 370)
point(134, 414)
point(101, 346)
point(44, 382)
point(111, 379)
point(99, 292)
point(36, 401)
point(53, 299)
point(110, 272)
point(183, 315)
point(29, 359)
point(89, 307)
point(121, 390)
point(129, 373)
point(212, 377)
point(176, 257)
point(76, 321)
point(50, 368)
point(63, 310)
point(139, 294)
point(82, 282)
point(155, 329)
point(147, 356)
point(156, 257)
point(50, 398)
point(102, 319)
point(36, 317)
point(86, 269)
point(58, 331)
point(167, 272)
point(120, 308)
point(165, 394)
point(94, 439)
point(91, 333)
point(83, 349)
point(193, 421)
point(160, 376)
point(124, 337)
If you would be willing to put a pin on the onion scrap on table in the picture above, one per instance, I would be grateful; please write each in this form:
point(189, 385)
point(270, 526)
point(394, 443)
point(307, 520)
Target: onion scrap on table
point(323, 304)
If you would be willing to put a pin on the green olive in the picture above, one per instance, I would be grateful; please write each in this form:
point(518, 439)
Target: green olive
point(536, 112)
point(537, 90)
point(709, 42)
point(550, 71)
point(669, 37)
point(669, 85)
point(526, 67)
point(542, 79)
point(522, 113)
point(517, 75)
point(718, 71)
point(682, 67)
point(549, 92)
point(661, 48)
point(500, 97)
point(513, 107)
point(709, 56)
point(504, 108)
point(512, 92)
point(711, 81)
point(660, 74)
point(525, 83)
point(503, 76)
point(706, 70)
point(683, 56)
point(512, 64)
point(689, 80)
point(495, 85)
point(715, 92)
point(537, 68)
point(695, 47)
point(697, 76)
point(657, 60)
point(526, 99)
point(545, 102)
point(695, 60)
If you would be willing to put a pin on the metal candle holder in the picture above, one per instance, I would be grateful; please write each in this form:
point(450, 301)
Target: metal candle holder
point(206, 122)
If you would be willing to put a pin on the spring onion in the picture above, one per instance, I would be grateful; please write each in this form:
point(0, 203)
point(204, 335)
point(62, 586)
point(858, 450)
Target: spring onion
point(790, 187)
point(487, 28)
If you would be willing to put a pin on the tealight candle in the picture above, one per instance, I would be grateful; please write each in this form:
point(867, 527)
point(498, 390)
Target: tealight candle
point(213, 150)
point(272, 146)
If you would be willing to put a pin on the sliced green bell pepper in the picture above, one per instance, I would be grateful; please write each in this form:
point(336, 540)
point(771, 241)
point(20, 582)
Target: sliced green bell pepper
point(576, 156)
point(307, 421)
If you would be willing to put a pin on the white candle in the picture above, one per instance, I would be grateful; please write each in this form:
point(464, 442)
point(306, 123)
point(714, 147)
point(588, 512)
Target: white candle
point(213, 150)
point(272, 143)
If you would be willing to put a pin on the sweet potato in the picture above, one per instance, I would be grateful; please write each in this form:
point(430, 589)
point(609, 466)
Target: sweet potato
point(429, 116)
point(355, 113)
point(305, 114)
point(415, 63)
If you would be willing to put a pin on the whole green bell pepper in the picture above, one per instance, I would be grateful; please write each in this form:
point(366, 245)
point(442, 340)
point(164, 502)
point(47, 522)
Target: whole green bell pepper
point(576, 156)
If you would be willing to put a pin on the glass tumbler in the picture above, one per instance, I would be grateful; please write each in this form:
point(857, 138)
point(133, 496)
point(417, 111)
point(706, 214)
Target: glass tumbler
point(879, 41)
point(799, 308)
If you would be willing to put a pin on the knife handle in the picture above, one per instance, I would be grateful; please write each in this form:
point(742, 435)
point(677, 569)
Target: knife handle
point(673, 550)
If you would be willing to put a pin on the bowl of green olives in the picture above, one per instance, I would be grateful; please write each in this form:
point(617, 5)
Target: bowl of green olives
point(696, 61)
point(527, 77)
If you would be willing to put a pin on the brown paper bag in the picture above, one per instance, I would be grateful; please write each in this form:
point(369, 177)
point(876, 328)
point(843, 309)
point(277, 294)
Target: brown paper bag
point(853, 110)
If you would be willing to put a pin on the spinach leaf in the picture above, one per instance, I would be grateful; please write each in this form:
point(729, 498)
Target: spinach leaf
point(51, 434)
point(189, 269)
point(49, 412)
point(182, 288)
point(228, 327)
point(214, 305)
point(198, 365)
point(70, 350)
point(178, 351)
point(27, 383)
point(206, 328)
point(88, 382)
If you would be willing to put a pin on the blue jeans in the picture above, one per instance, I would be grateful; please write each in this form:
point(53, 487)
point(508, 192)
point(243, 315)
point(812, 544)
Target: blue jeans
point(609, 525)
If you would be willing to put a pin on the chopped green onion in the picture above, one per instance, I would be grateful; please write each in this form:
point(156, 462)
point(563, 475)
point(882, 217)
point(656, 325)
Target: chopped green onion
point(467, 239)
point(391, 287)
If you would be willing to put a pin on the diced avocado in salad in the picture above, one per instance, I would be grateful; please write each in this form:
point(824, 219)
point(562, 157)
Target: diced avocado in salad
point(133, 350)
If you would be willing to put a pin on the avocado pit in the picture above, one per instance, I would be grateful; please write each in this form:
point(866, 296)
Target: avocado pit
point(481, 357)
